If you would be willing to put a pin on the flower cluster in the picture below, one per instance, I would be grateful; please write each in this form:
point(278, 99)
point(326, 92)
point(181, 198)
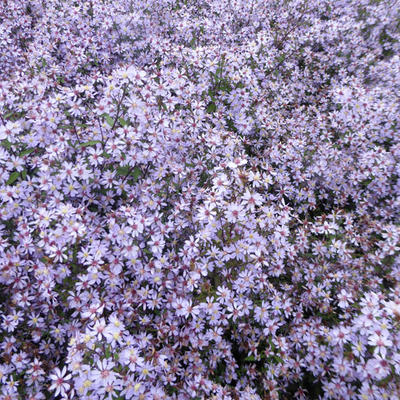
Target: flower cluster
point(199, 199)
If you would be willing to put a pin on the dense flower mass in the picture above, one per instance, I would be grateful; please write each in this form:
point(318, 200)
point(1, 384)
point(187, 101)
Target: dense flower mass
point(199, 199)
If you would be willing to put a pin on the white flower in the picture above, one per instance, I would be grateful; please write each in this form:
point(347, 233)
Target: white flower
point(234, 212)
point(344, 299)
point(59, 379)
point(237, 162)
point(394, 308)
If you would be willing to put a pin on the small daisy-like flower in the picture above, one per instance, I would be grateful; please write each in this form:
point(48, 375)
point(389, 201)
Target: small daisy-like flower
point(60, 380)
point(344, 299)
point(381, 343)
point(234, 213)
point(237, 162)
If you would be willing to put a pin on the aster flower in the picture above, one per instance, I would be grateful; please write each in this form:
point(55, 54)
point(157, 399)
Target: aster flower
point(60, 380)
point(189, 185)
point(381, 342)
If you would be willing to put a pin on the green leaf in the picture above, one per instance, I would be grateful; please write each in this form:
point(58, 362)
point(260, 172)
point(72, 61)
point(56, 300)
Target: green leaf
point(136, 173)
point(23, 174)
point(123, 171)
point(5, 143)
point(192, 43)
point(281, 58)
point(13, 177)
point(109, 119)
point(123, 122)
point(211, 107)
point(126, 170)
point(26, 152)
point(89, 143)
